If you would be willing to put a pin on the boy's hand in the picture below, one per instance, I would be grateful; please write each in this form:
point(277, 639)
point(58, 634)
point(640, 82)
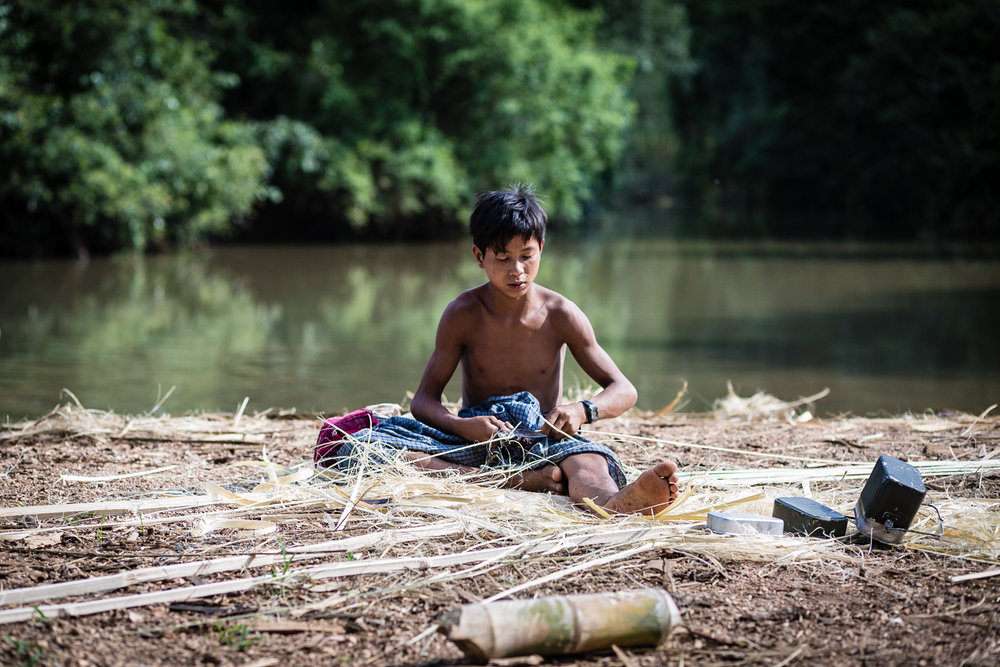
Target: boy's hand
point(566, 418)
point(483, 428)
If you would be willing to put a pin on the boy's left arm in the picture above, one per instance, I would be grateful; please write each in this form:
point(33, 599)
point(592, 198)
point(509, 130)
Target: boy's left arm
point(617, 394)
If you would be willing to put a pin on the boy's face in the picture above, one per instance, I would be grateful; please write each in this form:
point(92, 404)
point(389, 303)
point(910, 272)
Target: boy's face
point(512, 271)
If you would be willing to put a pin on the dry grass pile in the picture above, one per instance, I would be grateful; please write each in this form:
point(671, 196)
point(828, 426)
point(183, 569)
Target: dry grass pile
point(211, 512)
point(267, 523)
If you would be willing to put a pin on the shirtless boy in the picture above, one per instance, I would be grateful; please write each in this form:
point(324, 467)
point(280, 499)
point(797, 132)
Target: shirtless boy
point(510, 335)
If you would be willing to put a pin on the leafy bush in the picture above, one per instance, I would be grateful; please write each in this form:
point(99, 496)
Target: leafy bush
point(111, 131)
point(843, 118)
point(394, 112)
point(145, 124)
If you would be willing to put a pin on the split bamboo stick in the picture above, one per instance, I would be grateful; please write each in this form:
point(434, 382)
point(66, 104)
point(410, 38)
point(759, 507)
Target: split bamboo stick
point(112, 582)
point(325, 571)
point(108, 507)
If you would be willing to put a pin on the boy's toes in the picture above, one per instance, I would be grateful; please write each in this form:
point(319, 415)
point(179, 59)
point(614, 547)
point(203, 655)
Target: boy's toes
point(666, 469)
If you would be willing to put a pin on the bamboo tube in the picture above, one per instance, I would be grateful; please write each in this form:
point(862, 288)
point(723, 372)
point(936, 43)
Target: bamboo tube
point(561, 624)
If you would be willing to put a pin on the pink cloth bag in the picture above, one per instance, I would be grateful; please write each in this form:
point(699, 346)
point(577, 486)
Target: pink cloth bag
point(334, 429)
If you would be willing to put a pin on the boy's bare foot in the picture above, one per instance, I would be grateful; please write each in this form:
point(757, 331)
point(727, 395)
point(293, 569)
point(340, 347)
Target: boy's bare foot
point(549, 478)
point(653, 490)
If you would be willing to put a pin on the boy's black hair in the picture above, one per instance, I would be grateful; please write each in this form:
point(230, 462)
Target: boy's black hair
point(501, 215)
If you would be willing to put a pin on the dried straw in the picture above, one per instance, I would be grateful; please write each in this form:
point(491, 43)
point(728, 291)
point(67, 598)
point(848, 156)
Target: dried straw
point(427, 529)
point(763, 406)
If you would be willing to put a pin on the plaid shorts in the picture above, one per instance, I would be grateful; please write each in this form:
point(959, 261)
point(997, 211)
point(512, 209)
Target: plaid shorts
point(382, 441)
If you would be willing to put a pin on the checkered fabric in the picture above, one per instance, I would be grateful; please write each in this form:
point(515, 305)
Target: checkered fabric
point(383, 442)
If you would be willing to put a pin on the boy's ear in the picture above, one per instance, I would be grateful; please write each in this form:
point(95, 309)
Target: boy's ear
point(478, 255)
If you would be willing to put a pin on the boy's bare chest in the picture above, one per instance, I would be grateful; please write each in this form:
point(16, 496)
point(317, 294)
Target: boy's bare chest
point(525, 350)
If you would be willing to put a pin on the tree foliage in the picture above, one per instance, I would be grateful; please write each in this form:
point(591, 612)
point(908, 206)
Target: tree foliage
point(395, 111)
point(163, 122)
point(110, 129)
point(656, 34)
point(863, 119)
point(135, 124)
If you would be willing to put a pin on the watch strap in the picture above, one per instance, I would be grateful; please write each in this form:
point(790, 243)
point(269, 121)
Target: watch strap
point(591, 410)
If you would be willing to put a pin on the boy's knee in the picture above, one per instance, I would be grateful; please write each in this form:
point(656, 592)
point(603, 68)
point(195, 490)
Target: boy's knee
point(589, 463)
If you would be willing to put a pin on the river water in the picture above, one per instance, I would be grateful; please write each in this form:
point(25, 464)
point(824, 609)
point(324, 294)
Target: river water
point(327, 328)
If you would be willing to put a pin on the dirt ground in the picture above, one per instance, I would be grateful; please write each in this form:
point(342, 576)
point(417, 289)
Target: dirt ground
point(885, 606)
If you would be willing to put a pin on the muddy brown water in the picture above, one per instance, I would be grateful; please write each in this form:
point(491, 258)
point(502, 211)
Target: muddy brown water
point(326, 328)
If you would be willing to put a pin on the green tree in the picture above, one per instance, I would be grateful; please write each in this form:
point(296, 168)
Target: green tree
point(110, 130)
point(386, 113)
point(162, 122)
point(655, 33)
point(922, 95)
point(843, 118)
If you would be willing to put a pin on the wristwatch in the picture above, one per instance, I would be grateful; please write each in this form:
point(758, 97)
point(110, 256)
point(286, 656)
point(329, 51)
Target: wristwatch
point(591, 411)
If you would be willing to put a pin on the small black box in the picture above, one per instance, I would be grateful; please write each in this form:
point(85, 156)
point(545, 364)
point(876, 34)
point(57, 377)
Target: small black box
point(889, 501)
point(805, 516)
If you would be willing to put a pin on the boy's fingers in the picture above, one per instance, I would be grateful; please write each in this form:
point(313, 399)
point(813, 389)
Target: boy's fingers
point(500, 425)
point(561, 429)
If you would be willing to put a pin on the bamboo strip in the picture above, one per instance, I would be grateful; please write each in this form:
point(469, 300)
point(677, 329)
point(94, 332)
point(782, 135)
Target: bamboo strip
point(728, 504)
point(681, 497)
point(585, 565)
point(112, 478)
point(974, 575)
point(978, 419)
point(952, 553)
point(702, 513)
point(107, 507)
point(751, 476)
point(152, 518)
point(678, 443)
point(672, 404)
point(20, 614)
point(350, 568)
point(248, 526)
point(240, 411)
point(205, 567)
point(597, 508)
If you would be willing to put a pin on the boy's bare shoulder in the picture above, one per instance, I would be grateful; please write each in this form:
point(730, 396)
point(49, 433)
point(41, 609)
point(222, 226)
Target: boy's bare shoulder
point(553, 298)
point(564, 318)
point(470, 299)
point(559, 306)
point(464, 308)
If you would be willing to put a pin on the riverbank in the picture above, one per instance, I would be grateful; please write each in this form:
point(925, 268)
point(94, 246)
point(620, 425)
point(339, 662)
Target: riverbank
point(223, 547)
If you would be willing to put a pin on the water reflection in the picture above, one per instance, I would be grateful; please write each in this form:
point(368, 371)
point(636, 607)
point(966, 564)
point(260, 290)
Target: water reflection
point(327, 328)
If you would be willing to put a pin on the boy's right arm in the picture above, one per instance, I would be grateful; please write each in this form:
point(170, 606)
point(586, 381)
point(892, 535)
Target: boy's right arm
point(426, 405)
